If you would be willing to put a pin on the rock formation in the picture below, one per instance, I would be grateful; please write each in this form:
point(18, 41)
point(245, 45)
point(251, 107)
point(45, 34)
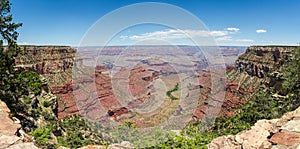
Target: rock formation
point(260, 60)
point(54, 63)
point(11, 134)
point(45, 59)
point(280, 133)
point(246, 76)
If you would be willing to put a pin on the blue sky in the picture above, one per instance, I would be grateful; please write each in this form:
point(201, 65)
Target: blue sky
point(231, 22)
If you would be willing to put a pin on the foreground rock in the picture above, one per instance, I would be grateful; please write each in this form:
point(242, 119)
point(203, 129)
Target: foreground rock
point(8, 130)
point(276, 134)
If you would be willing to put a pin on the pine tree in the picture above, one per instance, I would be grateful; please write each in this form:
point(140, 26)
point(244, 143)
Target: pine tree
point(8, 50)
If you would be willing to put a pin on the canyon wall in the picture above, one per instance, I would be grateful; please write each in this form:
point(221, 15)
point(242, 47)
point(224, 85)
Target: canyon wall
point(54, 64)
point(45, 59)
point(260, 60)
point(261, 65)
point(245, 77)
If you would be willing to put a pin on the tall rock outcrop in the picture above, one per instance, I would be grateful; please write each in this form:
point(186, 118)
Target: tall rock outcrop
point(251, 70)
point(260, 60)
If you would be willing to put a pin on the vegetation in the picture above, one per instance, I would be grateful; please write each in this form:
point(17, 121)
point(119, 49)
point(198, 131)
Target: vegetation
point(291, 74)
point(169, 93)
point(30, 82)
point(16, 88)
point(72, 132)
point(8, 76)
point(264, 105)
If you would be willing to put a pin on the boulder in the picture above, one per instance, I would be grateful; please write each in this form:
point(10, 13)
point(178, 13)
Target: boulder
point(8, 130)
point(276, 133)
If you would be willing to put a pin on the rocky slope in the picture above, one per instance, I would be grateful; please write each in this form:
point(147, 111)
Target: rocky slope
point(283, 133)
point(11, 134)
point(260, 66)
point(249, 72)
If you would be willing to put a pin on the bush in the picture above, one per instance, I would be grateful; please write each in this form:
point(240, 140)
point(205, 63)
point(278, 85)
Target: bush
point(169, 93)
point(42, 135)
point(46, 104)
point(30, 80)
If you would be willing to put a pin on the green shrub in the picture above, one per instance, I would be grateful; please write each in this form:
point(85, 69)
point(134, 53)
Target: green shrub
point(46, 104)
point(30, 80)
point(42, 135)
point(26, 100)
point(169, 93)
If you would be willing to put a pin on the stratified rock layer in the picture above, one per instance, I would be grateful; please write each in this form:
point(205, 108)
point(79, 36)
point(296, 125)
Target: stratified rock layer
point(257, 63)
point(259, 60)
point(45, 59)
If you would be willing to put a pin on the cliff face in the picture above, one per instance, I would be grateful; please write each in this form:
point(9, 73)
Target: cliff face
point(260, 60)
point(45, 59)
point(251, 70)
point(261, 65)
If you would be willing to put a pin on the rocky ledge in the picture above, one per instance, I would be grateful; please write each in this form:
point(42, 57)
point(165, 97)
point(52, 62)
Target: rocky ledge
point(11, 134)
point(283, 133)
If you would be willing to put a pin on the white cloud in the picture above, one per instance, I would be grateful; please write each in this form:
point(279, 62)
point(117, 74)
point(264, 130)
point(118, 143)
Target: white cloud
point(261, 31)
point(234, 29)
point(229, 38)
point(224, 38)
point(221, 36)
point(244, 40)
point(218, 33)
point(175, 34)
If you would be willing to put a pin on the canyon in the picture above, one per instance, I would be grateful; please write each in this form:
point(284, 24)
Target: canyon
point(129, 85)
point(55, 63)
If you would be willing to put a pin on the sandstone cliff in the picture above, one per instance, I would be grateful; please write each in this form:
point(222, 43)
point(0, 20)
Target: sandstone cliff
point(54, 64)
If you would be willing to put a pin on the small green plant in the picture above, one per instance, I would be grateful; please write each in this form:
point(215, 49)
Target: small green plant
point(26, 100)
point(48, 116)
point(46, 104)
